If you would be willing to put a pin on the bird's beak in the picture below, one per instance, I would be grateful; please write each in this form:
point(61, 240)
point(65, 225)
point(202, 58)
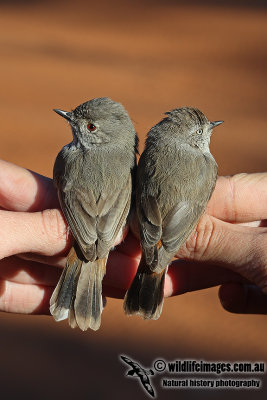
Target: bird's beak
point(65, 114)
point(215, 123)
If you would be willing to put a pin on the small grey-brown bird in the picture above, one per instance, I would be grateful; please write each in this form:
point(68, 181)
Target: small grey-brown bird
point(176, 176)
point(93, 177)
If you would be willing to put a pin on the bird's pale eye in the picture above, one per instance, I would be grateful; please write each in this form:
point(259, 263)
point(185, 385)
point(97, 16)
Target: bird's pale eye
point(199, 131)
point(91, 127)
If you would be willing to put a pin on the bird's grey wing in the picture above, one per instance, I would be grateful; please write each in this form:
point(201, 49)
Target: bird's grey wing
point(113, 211)
point(178, 224)
point(150, 218)
point(150, 226)
point(79, 208)
point(81, 218)
point(162, 237)
point(92, 220)
point(181, 220)
point(95, 230)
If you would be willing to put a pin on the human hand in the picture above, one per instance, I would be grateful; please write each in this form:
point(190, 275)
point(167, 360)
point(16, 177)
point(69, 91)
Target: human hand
point(230, 245)
point(30, 223)
point(34, 242)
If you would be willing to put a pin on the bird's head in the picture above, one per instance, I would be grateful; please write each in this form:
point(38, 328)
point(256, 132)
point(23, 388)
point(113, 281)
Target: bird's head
point(191, 125)
point(99, 121)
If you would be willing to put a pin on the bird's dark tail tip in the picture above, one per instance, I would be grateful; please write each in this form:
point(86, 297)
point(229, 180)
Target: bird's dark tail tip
point(146, 294)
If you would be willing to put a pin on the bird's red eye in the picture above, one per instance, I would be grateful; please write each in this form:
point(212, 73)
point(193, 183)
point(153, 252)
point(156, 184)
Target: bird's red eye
point(91, 127)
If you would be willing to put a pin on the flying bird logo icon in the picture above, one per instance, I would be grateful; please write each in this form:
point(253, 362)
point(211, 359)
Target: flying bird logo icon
point(141, 373)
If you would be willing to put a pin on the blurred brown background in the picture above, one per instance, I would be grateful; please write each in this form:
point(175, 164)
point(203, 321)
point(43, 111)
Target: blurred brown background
point(152, 56)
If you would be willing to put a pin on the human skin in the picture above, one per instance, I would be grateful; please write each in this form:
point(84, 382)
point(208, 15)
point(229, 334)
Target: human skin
point(228, 247)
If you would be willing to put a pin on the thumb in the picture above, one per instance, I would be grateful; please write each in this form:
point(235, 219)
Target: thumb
point(237, 247)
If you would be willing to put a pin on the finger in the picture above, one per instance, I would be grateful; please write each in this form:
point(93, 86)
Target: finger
point(44, 232)
point(239, 248)
point(25, 299)
point(16, 270)
point(53, 261)
point(24, 190)
point(240, 198)
point(183, 277)
point(113, 292)
point(121, 269)
point(126, 244)
point(243, 299)
point(130, 246)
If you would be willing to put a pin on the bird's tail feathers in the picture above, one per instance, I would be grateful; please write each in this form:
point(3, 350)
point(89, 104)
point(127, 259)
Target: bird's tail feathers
point(78, 294)
point(146, 294)
point(65, 290)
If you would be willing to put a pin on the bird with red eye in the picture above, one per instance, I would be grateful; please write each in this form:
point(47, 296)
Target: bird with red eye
point(91, 127)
